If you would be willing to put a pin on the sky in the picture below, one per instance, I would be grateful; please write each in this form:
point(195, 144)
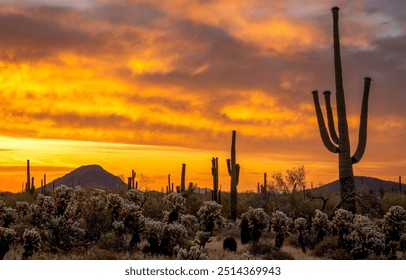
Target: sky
point(149, 85)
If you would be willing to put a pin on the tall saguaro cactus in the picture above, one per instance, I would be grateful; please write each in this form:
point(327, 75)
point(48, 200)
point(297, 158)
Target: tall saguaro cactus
point(182, 180)
point(340, 143)
point(133, 175)
point(234, 172)
point(215, 173)
point(28, 183)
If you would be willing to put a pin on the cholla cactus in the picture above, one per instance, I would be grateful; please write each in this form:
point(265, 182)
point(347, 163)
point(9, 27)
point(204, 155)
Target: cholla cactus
point(343, 224)
point(365, 238)
point(32, 242)
point(7, 237)
point(191, 224)
point(23, 208)
point(115, 205)
point(76, 203)
point(202, 238)
point(9, 215)
point(98, 201)
point(153, 233)
point(394, 226)
point(62, 196)
point(134, 221)
point(135, 196)
point(96, 215)
point(119, 227)
point(209, 215)
point(194, 253)
point(280, 225)
point(43, 211)
point(175, 203)
point(300, 226)
point(173, 234)
point(321, 225)
point(64, 233)
point(258, 221)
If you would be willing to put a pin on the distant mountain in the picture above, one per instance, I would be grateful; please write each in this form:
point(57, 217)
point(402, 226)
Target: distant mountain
point(89, 176)
point(374, 184)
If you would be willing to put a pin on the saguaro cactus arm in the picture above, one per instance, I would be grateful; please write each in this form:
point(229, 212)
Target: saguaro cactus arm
point(322, 126)
point(330, 118)
point(229, 166)
point(362, 137)
point(237, 174)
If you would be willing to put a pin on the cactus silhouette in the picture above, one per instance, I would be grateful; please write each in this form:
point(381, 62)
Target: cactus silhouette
point(341, 143)
point(28, 183)
point(215, 173)
point(182, 180)
point(234, 172)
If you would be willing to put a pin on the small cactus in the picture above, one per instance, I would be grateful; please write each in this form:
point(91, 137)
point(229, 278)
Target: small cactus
point(258, 221)
point(280, 225)
point(230, 244)
point(32, 242)
point(321, 225)
point(7, 237)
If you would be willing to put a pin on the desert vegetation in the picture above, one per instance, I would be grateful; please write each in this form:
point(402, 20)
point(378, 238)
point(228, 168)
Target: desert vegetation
point(77, 223)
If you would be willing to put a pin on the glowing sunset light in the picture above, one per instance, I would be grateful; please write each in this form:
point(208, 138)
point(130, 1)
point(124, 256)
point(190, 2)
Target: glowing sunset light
point(149, 85)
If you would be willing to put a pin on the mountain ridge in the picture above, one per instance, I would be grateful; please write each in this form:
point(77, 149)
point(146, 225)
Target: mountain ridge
point(89, 176)
point(372, 183)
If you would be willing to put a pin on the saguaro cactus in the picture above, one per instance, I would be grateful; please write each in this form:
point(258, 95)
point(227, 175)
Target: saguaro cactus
point(234, 172)
point(133, 175)
point(215, 173)
point(182, 180)
point(341, 143)
point(28, 184)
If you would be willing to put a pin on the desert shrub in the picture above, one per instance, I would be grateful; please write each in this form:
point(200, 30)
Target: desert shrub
point(320, 225)
point(7, 237)
point(258, 221)
point(328, 249)
point(209, 216)
point(365, 238)
point(394, 228)
point(368, 203)
point(280, 225)
point(32, 242)
point(175, 205)
point(230, 244)
point(193, 253)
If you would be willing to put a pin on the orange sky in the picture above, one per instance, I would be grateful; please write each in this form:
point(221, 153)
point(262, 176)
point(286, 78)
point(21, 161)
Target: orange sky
point(149, 85)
